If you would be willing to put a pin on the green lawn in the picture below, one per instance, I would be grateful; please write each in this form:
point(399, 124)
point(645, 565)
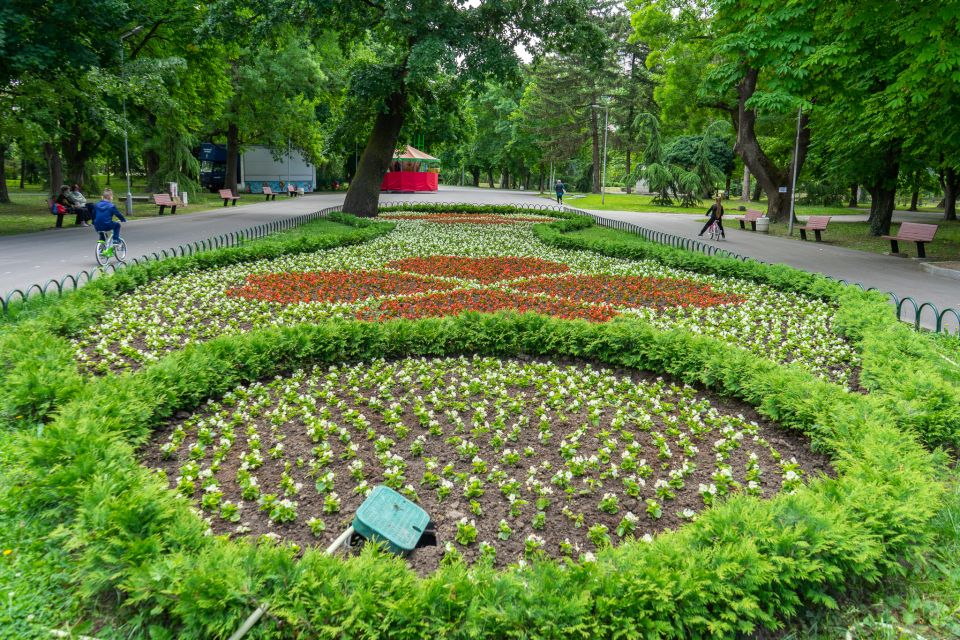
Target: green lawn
point(27, 213)
point(853, 235)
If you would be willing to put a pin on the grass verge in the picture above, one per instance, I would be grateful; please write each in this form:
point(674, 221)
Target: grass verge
point(854, 235)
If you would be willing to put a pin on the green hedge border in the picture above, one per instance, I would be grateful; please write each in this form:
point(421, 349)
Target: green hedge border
point(743, 564)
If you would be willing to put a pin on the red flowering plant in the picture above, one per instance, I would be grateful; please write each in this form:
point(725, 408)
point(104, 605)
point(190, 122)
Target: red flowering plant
point(630, 291)
point(485, 300)
point(332, 286)
point(485, 270)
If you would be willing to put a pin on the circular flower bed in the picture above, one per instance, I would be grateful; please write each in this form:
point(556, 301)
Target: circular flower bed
point(507, 457)
point(193, 306)
point(332, 286)
point(485, 270)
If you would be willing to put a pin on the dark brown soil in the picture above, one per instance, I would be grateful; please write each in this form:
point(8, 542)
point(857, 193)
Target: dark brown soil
point(495, 507)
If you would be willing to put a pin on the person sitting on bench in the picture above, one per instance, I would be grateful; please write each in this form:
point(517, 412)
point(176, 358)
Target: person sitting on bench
point(68, 203)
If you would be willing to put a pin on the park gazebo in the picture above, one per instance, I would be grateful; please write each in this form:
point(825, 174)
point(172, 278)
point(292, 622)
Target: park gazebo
point(411, 170)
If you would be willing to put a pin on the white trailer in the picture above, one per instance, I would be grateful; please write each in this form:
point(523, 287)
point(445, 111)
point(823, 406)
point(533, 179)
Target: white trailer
point(258, 168)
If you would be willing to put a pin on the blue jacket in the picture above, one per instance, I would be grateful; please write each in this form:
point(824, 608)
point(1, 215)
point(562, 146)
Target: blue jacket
point(104, 212)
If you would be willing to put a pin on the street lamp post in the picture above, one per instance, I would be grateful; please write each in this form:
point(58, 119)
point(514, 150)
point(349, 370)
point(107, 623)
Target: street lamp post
point(126, 149)
point(606, 129)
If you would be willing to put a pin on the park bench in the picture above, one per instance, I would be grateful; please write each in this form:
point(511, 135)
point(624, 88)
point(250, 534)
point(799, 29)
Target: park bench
point(291, 190)
point(751, 216)
point(228, 196)
point(815, 224)
point(267, 191)
point(50, 204)
point(913, 232)
point(163, 200)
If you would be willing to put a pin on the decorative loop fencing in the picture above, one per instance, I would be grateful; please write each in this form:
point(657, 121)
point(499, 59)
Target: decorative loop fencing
point(235, 238)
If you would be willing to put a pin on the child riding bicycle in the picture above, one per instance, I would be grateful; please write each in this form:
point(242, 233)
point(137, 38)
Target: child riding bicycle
point(103, 216)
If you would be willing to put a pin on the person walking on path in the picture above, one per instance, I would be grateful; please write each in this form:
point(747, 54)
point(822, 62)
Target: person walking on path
point(560, 192)
point(715, 214)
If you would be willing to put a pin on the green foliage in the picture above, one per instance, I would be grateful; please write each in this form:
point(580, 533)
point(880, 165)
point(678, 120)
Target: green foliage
point(742, 565)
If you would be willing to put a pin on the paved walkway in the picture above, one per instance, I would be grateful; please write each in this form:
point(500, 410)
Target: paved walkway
point(900, 276)
point(36, 257)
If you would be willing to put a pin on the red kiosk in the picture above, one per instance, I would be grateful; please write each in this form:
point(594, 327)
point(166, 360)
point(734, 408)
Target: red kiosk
point(412, 170)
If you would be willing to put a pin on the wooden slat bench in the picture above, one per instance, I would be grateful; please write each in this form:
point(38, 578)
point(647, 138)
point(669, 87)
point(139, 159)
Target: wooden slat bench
point(913, 232)
point(164, 200)
point(815, 224)
point(267, 191)
point(750, 216)
point(228, 196)
point(291, 190)
point(50, 203)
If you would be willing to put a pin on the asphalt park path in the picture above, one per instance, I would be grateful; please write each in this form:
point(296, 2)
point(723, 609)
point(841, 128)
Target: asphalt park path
point(37, 257)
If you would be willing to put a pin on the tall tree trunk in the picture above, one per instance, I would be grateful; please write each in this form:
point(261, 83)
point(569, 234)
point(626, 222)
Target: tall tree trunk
point(4, 194)
point(887, 187)
point(476, 177)
point(769, 176)
point(745, 189)
point(490, 178)
point(233, 151)
point(875, 198)
point(54, 166)
point(729, 178)
point(77, 150)
point(363, 196)
point(756, 191)
point(541, 175)
point(23, 168)
point(523, 173)
point(853, 195)
point(594, 129)
point(503, 179)
point(951, 186)
point(913, 201)
point(629, 186)
point(151, 159)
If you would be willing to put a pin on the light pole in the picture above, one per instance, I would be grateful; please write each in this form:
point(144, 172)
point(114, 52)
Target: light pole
point(793, 189)
point(126, 149)
point(606, 129)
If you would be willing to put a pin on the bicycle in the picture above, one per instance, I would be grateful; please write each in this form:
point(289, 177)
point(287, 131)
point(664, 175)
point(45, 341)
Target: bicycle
point(714, 232)
point(108, 248)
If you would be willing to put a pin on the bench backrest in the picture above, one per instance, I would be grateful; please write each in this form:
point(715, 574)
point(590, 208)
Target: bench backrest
point(50, 202)
point(226, 193)
point(917, 232)
point(267, 191)
point(752, 214)
point(290, 188)
point(162, 198)
point(818, 223)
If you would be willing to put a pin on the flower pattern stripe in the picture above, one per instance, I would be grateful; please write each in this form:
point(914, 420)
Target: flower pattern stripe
point(463, 218)
point(631, 291)
point(485, 270)
point(333, 286)
point(489, 301)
